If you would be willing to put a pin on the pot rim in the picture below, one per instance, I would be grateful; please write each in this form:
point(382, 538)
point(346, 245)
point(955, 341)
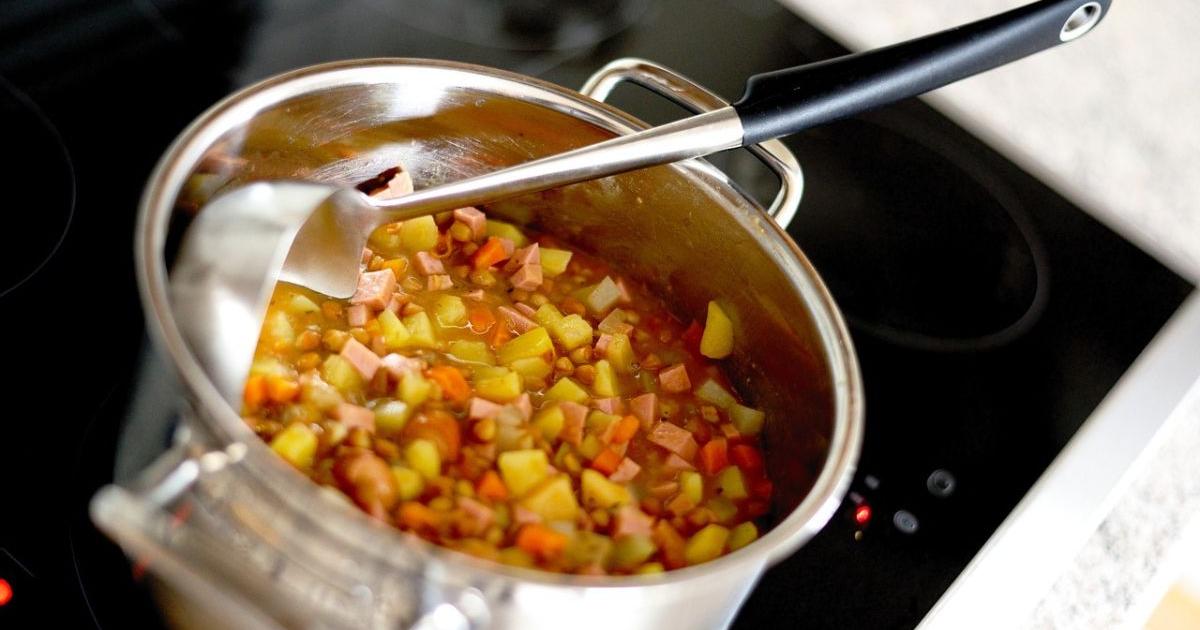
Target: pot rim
point(223, 422)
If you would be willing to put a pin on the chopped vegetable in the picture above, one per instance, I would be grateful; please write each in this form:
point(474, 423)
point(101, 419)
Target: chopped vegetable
point(742, 535)
point(600, 492)
point(523, 470)
point(717, 341)
point(566, 389)
point(554, 261)
point(534, 343)
point(507, 230)
point(553, 500)
point(746, 420)
point(706, 544)
point(297, 444)
point(450, 311)
point(418, 234)
point(423, 456)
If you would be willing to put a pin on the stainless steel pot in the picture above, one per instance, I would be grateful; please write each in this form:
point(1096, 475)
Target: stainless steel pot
point(238, 538)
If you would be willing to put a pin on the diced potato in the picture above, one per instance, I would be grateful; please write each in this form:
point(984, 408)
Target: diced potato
point(414, 389)
point(691, 485)
point(547, 314)
point(597, 421)
point(717, 340)
point(550, 422)
point(567, 390)
point(746, 420)
point(450, 311)
point(601, 296)
point(472, 352)
point(571, 332)
point(605, 384)
point(409, 483)
point(480, 372)
point(300, 304)
point(419, 234)
point(650, 568)
point(341, 373)
point(516, 557)
point(395, 333)
point(620, 353)
point(732, 484)
point(391, 416)
point(385, 238)
point(554, 261)
point(508, 231)
point(499, 388)
point(533, 367)
point(420, 330)
point(423, 456)
point(320, 394)
point(722, 508)
point(522, 470)
point(589, 549)
point(742, 535)
point(297, 443)
point(706, 544)
point(631, 551)
point(712, 392)
point(534, 343)
point(599, 492)
point(591, 446)
point(270, 366)
point(553, 500)
point(279, 328)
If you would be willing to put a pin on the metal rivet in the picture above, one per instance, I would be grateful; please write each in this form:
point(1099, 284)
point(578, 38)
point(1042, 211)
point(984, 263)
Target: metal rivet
point(906, 522)
point(1081, 21)
point(941, 483)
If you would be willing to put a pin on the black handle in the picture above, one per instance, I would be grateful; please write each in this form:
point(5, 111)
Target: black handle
point(783, 102)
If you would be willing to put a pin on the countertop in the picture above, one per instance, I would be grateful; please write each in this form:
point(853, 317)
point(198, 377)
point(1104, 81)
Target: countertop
point(1112, 121)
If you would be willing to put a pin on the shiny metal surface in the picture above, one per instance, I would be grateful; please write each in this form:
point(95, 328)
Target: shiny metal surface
point(325, 255)
point(263, 537)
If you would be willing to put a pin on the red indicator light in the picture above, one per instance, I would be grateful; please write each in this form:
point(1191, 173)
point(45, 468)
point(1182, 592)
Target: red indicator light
point(862, 514)
point(6, 593)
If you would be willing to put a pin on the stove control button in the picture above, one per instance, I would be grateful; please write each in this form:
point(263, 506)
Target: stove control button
point(906, 522)
point(941, 483)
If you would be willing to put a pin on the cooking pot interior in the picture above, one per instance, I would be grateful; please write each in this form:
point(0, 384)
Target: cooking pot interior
point(679, 229)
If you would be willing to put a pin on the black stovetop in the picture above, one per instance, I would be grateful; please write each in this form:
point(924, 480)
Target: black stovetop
point(990, 315)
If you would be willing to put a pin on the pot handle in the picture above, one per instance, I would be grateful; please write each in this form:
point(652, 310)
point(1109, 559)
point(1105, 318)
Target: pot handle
point(248, 574)
point(698, 99)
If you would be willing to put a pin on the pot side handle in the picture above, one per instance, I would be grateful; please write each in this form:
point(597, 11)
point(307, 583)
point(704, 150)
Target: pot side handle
point(698, 99)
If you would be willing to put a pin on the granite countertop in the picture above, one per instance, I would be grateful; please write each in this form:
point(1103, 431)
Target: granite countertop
point(1112, 122)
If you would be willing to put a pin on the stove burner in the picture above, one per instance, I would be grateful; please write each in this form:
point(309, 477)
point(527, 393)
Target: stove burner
point(950, 266)
point(527, 25)
point(41, 201)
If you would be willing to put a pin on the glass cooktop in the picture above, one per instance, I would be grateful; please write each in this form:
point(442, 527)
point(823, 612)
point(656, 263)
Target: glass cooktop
point(991, 315)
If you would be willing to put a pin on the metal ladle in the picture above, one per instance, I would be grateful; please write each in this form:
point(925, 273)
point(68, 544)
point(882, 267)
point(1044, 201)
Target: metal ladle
point(313, 235)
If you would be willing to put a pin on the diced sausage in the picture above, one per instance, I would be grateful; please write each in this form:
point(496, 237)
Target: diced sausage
point(625, 296)
point(482, 409)
point(527, 278)
point(427, 264)
point(375, 289)
point(358, 315)
point(675, 463)
point(524, 516)
point(523, 405)
point(626, 471)
point(664, 489)
point(399, 185)
point(602, 343)
point(368, 480)
point(631, 521)
point(675, 439)
point(612, 405)
point(680, 505)
point(399, 299)
point(473, 219)
point(507, 244)
point(515, 321)
point(525, 309)
point(398, 365)
point(477, 516)
point(528, 255)
point(355, 417)
point(476, 295)
point(574, 415)
point(645, 407)
point(366, 255)
point(361, 357)
point(438, 282)
point(675, 379)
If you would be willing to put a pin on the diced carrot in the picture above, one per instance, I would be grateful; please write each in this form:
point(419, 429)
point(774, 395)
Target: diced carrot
point(440, 427)
point(607, 461)
point(417, 517)
point(747, 458)
point(489, 254)
point(671, 544)
point(491, 487)
point(499, 337)
point(454, 384)
point(481, 319)
point(714, 456)
point(625, 429)
point(762, 488)
point(541, 541)
point(691, 337)
point(255, 392)
point(282, 390)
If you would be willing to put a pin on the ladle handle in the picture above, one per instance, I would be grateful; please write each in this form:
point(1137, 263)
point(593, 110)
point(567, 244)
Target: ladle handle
point(783, 102)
